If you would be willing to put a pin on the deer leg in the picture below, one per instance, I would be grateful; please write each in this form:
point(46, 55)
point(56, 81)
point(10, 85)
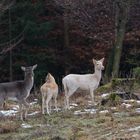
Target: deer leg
point(2, 101)
point(27, 106)
point(47, 102)
point(70, 93)
point(50, 105)
point(1, 105)
point(43, 104)
point(67, 102)
point(55, 102)
point(21, 111)
point(92, 96)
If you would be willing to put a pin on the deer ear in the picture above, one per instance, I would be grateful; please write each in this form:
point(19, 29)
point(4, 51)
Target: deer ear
point(94, 61)
point(102, 60)
point(46, 78)
point(34, 66)
point(23, 68)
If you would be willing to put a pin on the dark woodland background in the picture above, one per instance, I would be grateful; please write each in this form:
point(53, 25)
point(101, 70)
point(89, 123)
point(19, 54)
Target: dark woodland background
point(62, 37)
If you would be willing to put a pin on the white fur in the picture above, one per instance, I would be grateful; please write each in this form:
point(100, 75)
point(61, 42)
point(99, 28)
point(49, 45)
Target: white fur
point(88, 82)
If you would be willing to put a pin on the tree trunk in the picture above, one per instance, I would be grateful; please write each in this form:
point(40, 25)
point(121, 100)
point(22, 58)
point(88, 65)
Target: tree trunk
point(121, 20)
point(10, 55)
point(66, 40)
point(121, 15)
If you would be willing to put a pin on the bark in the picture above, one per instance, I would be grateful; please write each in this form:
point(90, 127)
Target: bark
point(122, 9)
point(66, 39)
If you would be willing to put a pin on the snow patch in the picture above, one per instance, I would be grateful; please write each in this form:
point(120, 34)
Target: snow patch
point(8, 112)
point(32, 103)
point(91, 111)
point(137, 110)
point(23, 125)
point(15, 107)
point(128, 101)
point(132, 101)
point(104, 111)
point(91, 104)
point(104, 95)
point(138, 102)
point(126, 105)
point(73, 105)
point(33, 113)
point(134, 129)
point(79, 112)
point(58, 109)
point(113, 108)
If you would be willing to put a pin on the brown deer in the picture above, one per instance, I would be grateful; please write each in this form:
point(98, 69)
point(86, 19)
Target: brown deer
point(18, 90)
point(49, 90)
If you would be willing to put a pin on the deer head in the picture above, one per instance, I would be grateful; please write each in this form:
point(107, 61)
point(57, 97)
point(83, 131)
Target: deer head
point(98, 64)
point(29, 70)
point(49, 78)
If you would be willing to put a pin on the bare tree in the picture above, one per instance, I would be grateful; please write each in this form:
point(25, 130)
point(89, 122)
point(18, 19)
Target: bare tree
point(5, 5)
point(104, 21)
point(121, 9)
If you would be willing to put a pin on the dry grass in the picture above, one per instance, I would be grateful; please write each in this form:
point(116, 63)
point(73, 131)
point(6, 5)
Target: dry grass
point(64, 125)
point(9, 126)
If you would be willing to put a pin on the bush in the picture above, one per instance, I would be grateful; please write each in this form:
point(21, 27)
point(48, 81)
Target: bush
point(136, 74)
point(123, 84)
point(114, 99)
point(9, 126)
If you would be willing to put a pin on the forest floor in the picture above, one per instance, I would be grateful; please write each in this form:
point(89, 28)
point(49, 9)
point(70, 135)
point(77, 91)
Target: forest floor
point(82, 122)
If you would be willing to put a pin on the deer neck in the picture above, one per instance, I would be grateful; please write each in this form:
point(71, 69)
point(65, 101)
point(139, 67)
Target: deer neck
point(98, 74)
point(29, 80)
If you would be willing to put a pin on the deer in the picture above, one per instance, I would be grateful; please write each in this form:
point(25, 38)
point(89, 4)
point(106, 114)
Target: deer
point(19, 90)
point(49, 90)
point(87, 82)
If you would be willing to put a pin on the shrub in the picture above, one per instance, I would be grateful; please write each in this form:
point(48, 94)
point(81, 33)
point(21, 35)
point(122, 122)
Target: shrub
point(8, 127)
point(136, 74)
point(114, 99)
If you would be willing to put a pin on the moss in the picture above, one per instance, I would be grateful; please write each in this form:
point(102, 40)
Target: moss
point(136, 74)
point(123, 84)
point(137, 87)
point(105, 88)
point(81, 135)
point(111, 100)
point(114, 99)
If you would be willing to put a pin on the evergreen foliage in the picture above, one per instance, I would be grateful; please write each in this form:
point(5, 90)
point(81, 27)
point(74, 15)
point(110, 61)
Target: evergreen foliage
point(26, 14)
point(136, 73)
point(60, 51)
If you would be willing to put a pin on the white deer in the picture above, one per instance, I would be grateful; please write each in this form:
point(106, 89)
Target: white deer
point(18, 90)
point(88, 82)
point(49, 90)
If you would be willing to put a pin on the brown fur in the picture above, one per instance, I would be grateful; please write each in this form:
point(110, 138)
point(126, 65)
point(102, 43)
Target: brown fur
point(49, 90)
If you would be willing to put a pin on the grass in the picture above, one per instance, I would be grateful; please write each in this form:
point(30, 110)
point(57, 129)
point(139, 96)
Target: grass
point(64, 125)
